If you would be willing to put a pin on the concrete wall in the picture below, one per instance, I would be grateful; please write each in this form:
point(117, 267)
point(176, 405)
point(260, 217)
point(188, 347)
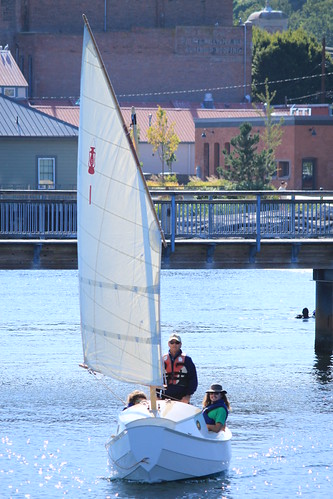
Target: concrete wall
point(152, 163)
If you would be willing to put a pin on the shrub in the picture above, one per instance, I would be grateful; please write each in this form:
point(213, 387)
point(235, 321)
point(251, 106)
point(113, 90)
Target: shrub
point(210, 184)
point(163, 181)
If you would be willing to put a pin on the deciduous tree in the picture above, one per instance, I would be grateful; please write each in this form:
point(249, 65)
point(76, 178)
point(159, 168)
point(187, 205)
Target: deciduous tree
point(163, 138)
point(272, 135)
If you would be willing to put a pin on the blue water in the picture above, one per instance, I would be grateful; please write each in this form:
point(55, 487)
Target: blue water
point(240, 330)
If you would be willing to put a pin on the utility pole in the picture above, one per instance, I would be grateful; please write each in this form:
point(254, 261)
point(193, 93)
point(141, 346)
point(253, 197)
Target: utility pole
point(323, 58)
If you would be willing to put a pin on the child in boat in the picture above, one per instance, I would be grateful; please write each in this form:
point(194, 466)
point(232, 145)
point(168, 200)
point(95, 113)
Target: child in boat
point(135, 398)
point(216, 408)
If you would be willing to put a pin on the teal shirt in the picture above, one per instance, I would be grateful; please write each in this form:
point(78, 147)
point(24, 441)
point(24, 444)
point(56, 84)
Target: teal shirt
point(219, 415)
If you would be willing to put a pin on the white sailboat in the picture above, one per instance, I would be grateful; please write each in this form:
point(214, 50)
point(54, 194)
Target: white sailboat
point(119, 256)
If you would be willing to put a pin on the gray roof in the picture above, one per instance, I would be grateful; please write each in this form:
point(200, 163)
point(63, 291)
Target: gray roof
point(18, 120)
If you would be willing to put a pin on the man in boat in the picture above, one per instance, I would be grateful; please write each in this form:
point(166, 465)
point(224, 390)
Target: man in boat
point(180, 372)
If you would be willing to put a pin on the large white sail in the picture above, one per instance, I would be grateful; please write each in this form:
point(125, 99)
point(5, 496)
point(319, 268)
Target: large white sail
point(119, 240)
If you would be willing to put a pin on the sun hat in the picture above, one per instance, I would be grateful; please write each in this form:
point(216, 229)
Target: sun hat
point(176, 337)
point(216, 388)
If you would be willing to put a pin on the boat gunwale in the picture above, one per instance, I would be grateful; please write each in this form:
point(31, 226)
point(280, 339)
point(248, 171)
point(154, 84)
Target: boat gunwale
point(170, 426)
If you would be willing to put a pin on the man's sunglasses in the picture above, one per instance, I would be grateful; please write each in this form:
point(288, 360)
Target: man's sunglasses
point(174, 342)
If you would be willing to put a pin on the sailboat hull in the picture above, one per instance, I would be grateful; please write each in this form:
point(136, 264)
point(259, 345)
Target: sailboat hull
point(153, 448)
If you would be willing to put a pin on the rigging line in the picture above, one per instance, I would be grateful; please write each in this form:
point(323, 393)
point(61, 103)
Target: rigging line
point(90, 371)
point(94, 373)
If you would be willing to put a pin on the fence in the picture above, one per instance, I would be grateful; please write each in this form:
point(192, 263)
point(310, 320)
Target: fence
point(255, 215)
point(32, 214)
point(183, 214)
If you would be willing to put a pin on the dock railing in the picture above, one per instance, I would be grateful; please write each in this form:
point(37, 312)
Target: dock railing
point(245, 214)
point(38, 214)
point(183, 214)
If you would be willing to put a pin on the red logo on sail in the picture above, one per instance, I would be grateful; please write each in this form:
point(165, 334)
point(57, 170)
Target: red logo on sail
point(91, 164)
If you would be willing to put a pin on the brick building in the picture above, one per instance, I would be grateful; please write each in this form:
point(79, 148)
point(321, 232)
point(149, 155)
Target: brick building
point(303, 159)
point(161, 46)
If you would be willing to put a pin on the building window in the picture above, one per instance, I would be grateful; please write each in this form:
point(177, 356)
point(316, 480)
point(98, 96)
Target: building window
point(9, 92)
point(283, 168)
point(46, 173)
point(227, 147)
point(308, 174)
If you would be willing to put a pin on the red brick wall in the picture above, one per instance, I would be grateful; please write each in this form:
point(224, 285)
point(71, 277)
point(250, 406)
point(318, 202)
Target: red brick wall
point(10, 20)
point(141, 57)
point(317, 146)
point(65, 16)
point(297, 144)
point(143, 62)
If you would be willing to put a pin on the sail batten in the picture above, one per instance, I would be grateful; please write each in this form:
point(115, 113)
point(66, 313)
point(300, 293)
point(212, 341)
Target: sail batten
point(113, 285)
point(121, 338)
point(119, 239)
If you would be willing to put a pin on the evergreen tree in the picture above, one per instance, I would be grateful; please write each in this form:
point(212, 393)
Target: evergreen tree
point(244, 166)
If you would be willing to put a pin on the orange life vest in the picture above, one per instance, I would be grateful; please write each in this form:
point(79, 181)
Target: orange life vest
point(175, 371)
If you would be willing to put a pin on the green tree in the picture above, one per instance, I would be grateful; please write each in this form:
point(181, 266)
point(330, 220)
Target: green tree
point(245, 167)
point(316, 18)
point(291, 61)
point(164, 139)
point(243, 8)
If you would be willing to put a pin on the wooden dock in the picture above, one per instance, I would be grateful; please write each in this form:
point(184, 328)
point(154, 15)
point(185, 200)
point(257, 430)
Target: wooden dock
point(188, 254)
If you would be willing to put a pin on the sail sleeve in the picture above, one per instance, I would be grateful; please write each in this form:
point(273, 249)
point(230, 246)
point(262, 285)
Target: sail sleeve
point(119, 241)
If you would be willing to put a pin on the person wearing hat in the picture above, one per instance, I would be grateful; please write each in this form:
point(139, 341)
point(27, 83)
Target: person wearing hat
point(180, 372)
point(216, 408)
